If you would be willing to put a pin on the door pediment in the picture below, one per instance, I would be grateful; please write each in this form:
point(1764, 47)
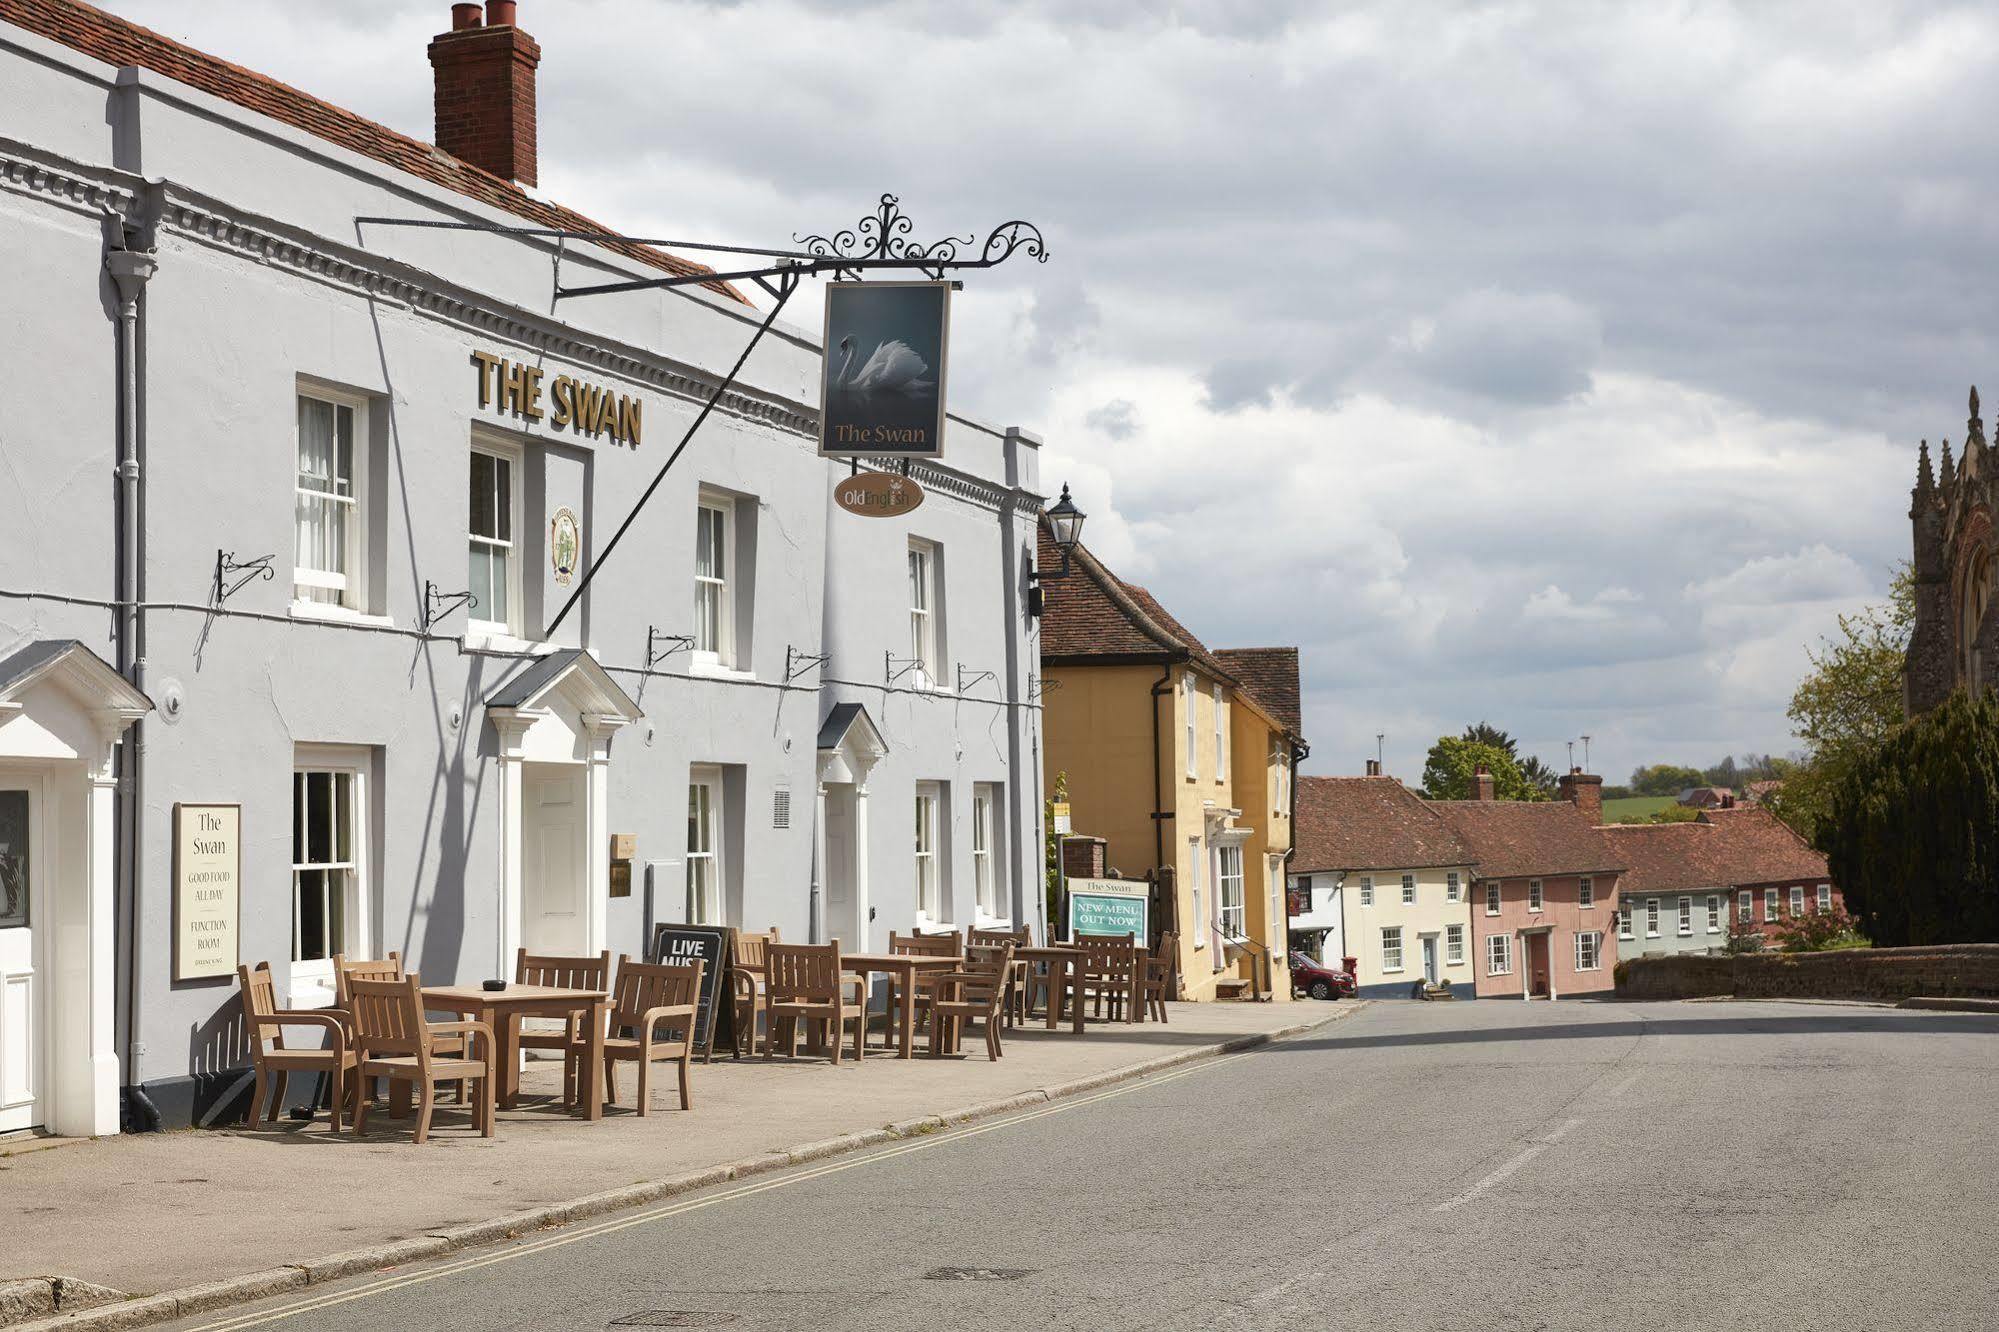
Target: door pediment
point(60, 700)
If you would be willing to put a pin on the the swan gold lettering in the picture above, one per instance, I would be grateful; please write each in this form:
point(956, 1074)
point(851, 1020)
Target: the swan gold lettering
point(512, 388)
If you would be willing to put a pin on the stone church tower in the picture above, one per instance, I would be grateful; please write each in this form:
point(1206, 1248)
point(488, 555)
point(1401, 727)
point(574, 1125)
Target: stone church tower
point(1956, 636)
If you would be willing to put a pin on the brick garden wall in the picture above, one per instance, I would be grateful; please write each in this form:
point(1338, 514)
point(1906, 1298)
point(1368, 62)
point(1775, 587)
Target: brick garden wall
point(1958, 970)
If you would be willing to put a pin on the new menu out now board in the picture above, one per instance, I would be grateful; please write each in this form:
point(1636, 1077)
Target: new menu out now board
point(1109, 906)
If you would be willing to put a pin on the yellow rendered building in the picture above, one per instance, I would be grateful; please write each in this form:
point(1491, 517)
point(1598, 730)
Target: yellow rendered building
point(1179, 758)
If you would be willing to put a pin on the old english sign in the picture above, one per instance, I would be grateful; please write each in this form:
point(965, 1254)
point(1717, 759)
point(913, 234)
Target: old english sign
point(877, 494)
point(208, 860)
point(1109, 906)
point(516, 389)
point(565, 544)
point(882, 385)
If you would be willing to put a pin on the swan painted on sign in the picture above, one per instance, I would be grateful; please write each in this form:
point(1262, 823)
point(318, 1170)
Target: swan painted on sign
point(891, 368)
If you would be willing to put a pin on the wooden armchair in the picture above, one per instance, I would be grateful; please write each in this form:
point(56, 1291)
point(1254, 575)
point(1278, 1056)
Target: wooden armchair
point(746, 986)
point(646, 994)
point(347, 969)
point(1158, 985)
point(803, 983)
point(943, 943)
point(569, 973)
point(1015, 1005)
point(396, 1042)
point(272, 1061)
point(1109, 972)
point(977, 991)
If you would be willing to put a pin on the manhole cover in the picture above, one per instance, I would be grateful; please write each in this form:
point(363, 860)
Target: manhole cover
point(675, 1318)
point(977, 1273)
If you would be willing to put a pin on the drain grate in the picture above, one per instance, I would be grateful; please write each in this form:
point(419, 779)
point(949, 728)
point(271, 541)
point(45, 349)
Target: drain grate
point(675, 1318)
point(978, 1273)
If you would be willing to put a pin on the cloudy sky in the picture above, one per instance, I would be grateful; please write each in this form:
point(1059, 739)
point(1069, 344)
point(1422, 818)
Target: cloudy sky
point(1555, 364)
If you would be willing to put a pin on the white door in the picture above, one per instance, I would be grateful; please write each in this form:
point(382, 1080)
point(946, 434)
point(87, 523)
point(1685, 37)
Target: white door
point(23, 905)
point(554, 867)
point(1430, 958)
point(837, 874)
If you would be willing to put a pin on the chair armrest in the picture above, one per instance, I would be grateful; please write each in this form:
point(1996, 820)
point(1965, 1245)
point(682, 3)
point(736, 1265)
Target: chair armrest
point(470, 1029)
point(654, 1016)
point(334, 1022)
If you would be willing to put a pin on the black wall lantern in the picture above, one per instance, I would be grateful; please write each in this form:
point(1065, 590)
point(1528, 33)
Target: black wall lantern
point(1065, 528)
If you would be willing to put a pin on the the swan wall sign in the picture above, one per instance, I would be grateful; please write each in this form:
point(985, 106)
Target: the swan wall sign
point(882, 386)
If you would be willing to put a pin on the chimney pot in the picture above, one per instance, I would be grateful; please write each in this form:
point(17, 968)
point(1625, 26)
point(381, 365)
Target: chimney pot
point(464, 16)
point(500, 13)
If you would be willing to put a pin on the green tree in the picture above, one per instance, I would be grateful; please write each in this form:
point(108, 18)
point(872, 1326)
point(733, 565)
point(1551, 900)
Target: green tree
point(1665, 779)
point(1540, 776)
point(1847, 705)
point(1912, 828)
point(1051, 847)
point(1485, 733)
point(1675, 813)
point(1447, 775)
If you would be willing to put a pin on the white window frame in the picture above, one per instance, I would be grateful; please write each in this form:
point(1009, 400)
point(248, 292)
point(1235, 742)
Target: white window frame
point(1280, 919)
point(1492, 897)
point(1624, 923)
point(478, 622)
point(1797, 900)
point(706, 905)
point(1196, 860)
point(349, 586)
point(1231, 898)
point(1452, 885)
point(1282, 778)
point(312, 978)
point(1714, 913)
point(1367, 890)
point(1686, 916)
point(924, 620)
point(1824, 897)
point(1651, 917)
point(1746, 901)
point(1499, 955)
point(1454, 945)
point(1408, 890)
point(1221, 736)
point(1187, 696)
point(1592, 942)
point(1769, 904)
point(1536, 899)
point(928, 867)
point(722, 654)
point(985, 858)
point(1585, 891)
point(1391, 946)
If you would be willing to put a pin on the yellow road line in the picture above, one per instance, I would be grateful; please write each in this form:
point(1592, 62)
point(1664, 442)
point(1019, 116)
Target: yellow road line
point(670, 1210)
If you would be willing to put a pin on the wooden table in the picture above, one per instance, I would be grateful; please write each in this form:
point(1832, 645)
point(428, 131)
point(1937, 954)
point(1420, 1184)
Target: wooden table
point(502, 1010)
point(902, 970)
point(1064, 974)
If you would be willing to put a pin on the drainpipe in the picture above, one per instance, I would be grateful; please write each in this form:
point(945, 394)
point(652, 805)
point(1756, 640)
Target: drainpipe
point(1159, 814)
point(130, 270)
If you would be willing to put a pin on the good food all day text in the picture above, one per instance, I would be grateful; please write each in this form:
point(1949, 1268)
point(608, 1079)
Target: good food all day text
point(515, 389)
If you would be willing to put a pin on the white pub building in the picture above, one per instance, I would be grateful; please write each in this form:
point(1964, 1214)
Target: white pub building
point(287, 503)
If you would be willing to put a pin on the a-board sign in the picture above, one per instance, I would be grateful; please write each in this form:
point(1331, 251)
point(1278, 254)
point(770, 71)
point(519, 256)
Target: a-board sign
point(208, 861)
point(714, 945)
point(1109, 906)
point(882, 387)
point(877, 494)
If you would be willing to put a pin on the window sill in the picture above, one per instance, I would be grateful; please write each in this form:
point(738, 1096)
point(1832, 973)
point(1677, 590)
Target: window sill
point(501, 642)
point(1651, 934)
point(713, 670)
point(316, 610)
point(1391, 971)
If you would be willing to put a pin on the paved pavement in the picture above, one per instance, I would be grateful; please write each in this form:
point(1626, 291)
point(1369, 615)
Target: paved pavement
point(1579, 1165)
point(195, 1207)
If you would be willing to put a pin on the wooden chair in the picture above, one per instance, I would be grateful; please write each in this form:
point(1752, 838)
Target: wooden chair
point(746, 986)
point(803, 982)
point(941, 943)
point(273, 1063)
point(347, 969)
point(977, 991)
point(645, 995)
point(1017, 979)
point(1157, 985)
point(1109, 972)
point(568, 973)
point(394, 1041)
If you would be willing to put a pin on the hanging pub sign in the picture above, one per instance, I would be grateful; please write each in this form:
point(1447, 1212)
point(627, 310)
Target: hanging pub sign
point(714, 946)
point(882, 384)
point(208, 860)
point(877, 494)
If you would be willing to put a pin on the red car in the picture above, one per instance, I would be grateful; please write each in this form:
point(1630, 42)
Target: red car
point(1319, 980)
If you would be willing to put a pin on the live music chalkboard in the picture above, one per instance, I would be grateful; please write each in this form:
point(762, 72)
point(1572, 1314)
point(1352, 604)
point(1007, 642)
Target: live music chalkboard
point(715, 946)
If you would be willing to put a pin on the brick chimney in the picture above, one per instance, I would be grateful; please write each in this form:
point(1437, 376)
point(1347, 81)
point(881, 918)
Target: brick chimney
point(1481, 784)
point(1585, 792)
point(484, 71)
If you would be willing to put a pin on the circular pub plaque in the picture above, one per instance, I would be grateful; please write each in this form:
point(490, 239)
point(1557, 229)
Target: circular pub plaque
point(877, 494)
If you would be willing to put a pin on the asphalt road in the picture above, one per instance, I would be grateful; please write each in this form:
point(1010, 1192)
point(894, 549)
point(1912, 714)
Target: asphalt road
point(1488, 1164)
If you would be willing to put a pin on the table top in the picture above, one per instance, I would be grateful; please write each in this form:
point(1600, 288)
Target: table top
point(1047, 951)
point(513, 994)
point(884, 961)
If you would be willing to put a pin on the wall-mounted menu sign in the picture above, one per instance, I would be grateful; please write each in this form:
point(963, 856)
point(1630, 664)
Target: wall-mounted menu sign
point(208, 865)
